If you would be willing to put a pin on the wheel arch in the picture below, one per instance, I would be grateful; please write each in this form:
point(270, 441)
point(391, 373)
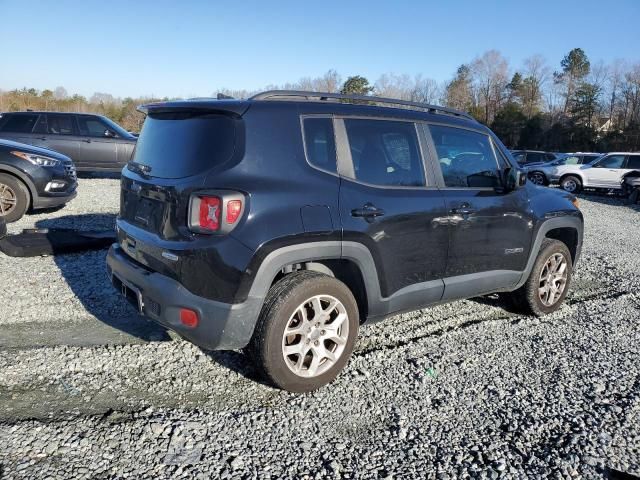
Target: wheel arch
point(567, 228)
point(353, 266)
point(24, 179)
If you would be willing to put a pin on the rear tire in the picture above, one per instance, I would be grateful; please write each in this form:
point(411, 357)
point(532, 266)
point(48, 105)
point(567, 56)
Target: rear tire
point(321, 316)
point(571, 184)
point(548, 283)
point(14, 198)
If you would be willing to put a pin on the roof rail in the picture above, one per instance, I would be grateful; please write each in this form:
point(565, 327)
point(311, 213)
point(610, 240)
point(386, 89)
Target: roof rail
point(324, 96)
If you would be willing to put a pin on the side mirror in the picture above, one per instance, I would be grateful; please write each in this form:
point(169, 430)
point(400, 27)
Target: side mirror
point(513, 178)
point(109, 133)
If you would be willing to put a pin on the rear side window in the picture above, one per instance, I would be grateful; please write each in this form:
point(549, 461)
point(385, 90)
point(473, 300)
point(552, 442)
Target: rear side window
point(634, 162)
point(466, 158)
point(18, 123)
point(319, 143)
point(176, 145)
point(385, 152)
point(534, 157)
point(60, 124)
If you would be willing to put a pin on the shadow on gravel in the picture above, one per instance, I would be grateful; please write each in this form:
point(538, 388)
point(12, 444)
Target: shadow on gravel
point(495, 300)
point(238, 362)
point(86, 275)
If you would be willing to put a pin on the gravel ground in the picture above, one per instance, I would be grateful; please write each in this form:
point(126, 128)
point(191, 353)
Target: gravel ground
point(88, 389)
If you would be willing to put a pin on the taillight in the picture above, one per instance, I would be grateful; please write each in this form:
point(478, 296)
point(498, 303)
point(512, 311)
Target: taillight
point(208, 209)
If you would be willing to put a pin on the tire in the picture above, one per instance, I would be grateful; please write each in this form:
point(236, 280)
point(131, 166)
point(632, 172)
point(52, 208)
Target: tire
point(528, 298)
point(283, 308)
point(14, 198)
point(538, 178)
point(633, 197)
point(571, 184)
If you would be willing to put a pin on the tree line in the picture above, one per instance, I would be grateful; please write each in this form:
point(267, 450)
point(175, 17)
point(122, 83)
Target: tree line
point(579, 106)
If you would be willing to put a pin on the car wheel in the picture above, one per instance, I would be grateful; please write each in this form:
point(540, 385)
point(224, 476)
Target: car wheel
point(538, 178)
point(14, 198)
point(571, 184)
point(633, 197)
point(548, 283)
point(306, 331)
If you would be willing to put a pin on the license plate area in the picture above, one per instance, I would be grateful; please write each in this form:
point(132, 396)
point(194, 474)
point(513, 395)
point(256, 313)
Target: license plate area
point(129, 291)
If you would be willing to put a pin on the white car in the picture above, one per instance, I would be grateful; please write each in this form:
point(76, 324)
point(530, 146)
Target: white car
point(606, 172)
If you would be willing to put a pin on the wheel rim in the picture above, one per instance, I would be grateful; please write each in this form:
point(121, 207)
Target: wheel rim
point(8, 200)
point(553, 279)
point(315, 336)
point(569, 185)
point(537, 179)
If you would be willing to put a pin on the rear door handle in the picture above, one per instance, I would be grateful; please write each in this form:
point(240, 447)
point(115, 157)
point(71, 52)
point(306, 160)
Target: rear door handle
point(87, 140)
point(367, 211)
point(42, 138)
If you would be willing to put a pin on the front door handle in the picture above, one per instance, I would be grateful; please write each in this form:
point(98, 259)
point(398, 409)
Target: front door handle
point(367, 211)
point(87, 140)
point(42, 138)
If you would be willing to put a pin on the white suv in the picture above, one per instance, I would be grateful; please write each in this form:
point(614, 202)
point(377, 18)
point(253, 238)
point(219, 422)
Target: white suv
point(607, 172)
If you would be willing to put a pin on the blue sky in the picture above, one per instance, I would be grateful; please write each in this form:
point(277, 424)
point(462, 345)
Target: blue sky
point(192, 48)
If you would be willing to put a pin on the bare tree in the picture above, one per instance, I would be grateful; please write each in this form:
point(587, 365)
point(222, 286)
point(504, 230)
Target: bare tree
point(491, 76)
point(536, 74)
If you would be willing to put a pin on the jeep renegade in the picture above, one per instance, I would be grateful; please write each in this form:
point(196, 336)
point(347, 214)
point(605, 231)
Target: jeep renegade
point(282, 222)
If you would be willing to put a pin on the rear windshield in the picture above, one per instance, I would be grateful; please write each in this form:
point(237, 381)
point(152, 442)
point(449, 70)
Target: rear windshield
point(176, 145)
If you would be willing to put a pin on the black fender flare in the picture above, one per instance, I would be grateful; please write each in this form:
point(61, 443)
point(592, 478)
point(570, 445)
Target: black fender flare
point(566, 221)
point(314, 251)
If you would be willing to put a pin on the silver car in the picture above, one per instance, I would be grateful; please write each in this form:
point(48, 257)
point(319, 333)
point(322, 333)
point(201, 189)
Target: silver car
point(94, 142)
point(551, 172)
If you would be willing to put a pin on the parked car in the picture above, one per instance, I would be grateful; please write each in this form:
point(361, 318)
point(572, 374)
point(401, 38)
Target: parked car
point(281, 223)
point(526, 158)
point(605, 172)
point(541, 174)
point(94, 142)
point(32, 177)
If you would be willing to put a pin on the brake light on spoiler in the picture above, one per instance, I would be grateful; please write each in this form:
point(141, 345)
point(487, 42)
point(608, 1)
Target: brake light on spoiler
point(217, 211)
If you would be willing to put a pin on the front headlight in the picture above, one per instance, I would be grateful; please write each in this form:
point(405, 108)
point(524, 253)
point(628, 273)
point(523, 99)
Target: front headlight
point(37, 159)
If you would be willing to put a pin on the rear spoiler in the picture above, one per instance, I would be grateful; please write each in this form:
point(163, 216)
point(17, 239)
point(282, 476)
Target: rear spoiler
point(235, 108)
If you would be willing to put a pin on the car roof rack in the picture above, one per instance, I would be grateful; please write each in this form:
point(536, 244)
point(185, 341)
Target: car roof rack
point(324, 96)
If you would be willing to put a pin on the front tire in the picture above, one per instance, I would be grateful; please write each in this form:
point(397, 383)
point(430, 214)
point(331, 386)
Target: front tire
point(14, 198)
point(306, 331)
point(548, 283)
point(571, 184)
point(538, 178)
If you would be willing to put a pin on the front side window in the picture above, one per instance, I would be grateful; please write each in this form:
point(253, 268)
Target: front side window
point(634, 162)
point(385, 152)
point(319, 143)
point(612, 161)
point(91, 126)
point(60, 124)
point(18, 123)
point(466, 158)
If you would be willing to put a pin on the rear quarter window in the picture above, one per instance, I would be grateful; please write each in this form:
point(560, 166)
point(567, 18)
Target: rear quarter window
point(18, 123)
point(177, 145)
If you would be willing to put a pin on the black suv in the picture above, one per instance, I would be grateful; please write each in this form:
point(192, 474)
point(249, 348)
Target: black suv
point(32, 177)
point(282, 222)
point(532, 157)
point(94, 142)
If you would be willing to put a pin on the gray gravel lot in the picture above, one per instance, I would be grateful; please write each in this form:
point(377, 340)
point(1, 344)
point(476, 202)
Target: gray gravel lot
point(88, 389)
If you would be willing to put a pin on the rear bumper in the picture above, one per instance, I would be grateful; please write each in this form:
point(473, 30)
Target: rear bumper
point(222, 326)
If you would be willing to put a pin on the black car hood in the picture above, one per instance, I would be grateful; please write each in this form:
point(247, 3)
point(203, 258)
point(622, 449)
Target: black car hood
point(8, 145)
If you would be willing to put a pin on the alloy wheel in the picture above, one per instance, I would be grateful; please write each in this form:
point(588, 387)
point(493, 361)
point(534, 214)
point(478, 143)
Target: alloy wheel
point(537, 178)
point(315, 336)
point(570, 185)
point(553, 279)
point(8, 200)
